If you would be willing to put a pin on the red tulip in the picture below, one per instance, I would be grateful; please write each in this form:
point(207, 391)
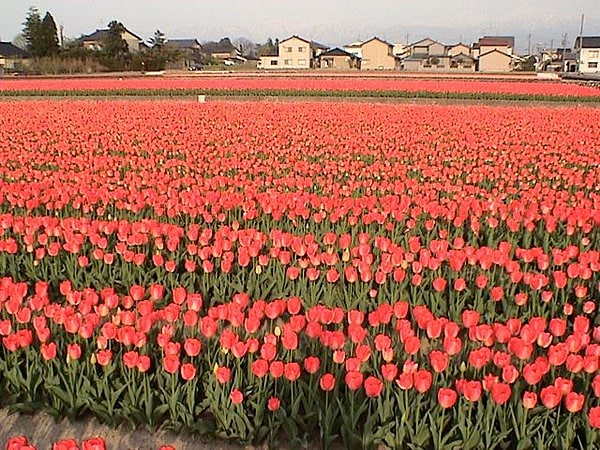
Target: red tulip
point(574, 402)
point(550, 396)
point(422, 380)
point(438, 360)
point(16, 443)
point(236, 396)
point(312, 364)
point(171, 363)
point(65, 444)
point(529, 400)
point(327, 382)
point(447, 397)
point(188, 371)
point(373, 386)
point(501, 393)
point(354, 380)
point(223, 374)
point(273, 404)
point(95, 443)
point(594, 417)
point(472, 390)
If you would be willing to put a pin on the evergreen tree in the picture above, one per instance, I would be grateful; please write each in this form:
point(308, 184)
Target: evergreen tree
point(115, 51)
point(48, 36)
point(40, 35)
point(158, 40)
point(114, 44)
point(32, 30)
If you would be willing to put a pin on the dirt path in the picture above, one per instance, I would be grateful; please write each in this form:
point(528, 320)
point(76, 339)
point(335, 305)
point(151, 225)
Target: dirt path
point(42, 430)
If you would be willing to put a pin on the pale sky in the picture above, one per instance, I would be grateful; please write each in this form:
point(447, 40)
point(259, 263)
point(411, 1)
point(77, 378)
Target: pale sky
point(330, 22)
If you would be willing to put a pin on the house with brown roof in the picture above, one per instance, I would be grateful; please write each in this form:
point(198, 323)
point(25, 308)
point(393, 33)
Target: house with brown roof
point(95, 41)
point(495, 54)
point(12, 58)
point(377, 54)
point(587, 49)
point(338, 59)
point(293, 53)
point(505, 44)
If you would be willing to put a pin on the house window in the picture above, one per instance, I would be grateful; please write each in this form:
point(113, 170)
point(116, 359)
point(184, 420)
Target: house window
point(274, 62)
point(593, 54)
point(592, 65)
point(301, 49)
point(288, 49)
point(288, 62)
point(301, 62)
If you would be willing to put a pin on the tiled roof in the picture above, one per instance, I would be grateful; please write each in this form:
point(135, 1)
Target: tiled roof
point(588, 42)
point(337, 52)
point(7, 49)
point(183, 43)
point(490, 41)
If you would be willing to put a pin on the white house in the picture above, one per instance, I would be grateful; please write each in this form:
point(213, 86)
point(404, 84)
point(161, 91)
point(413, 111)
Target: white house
point(587, 49)
point(293, 53)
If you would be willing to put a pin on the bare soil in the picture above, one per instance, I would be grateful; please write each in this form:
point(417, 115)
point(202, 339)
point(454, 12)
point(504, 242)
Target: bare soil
point(42, 430)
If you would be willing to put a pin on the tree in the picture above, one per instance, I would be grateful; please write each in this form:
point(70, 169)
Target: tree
point(158, 55)
point(48, 36)
point(19, 41)
point(40, 35)
point(158, 40)
point(245, 46)
point(268, 48)
point(114, 44)
point(115, 51)
point(31, 31)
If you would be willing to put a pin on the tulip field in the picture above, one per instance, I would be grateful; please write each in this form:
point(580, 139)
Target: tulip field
point(246, 86)
point(370, 275)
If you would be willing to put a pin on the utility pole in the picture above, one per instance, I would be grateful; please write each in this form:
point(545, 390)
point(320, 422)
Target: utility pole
point(62, 35)
point(580, 44)
point(529, 44)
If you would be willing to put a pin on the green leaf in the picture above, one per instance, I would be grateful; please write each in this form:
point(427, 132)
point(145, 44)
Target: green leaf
point(525, 444)
point(473, 442)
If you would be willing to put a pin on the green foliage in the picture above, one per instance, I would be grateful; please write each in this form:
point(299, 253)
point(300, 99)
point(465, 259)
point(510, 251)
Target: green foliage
point(40, 34)
point(115, 53)
point(31, 30)
point(48, 36)
point(267, 48)
point(158, 40)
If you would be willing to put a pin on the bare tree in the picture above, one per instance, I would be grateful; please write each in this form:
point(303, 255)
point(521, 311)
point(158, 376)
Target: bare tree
point(20, 41)
point(245, 46)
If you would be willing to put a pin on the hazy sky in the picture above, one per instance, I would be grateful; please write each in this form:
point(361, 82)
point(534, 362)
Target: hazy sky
point(330, 22)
